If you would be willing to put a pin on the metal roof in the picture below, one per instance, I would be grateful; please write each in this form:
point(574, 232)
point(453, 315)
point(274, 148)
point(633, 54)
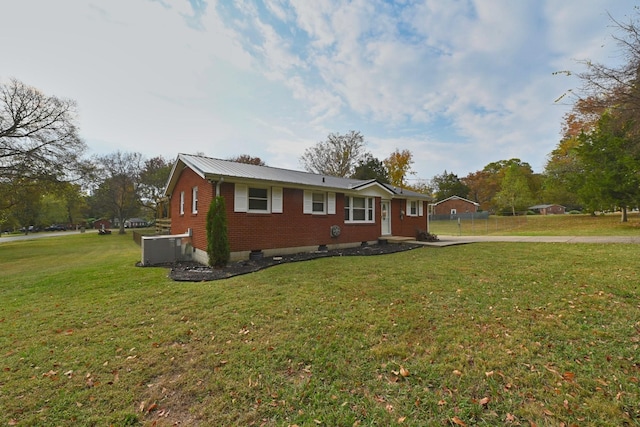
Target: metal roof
point(214, 169)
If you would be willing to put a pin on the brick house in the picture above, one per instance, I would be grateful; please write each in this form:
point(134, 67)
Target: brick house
point(548, 209)
point(277, 211)
point(455, 205)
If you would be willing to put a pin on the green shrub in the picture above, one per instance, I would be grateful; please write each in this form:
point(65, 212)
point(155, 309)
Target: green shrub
point(217, 236)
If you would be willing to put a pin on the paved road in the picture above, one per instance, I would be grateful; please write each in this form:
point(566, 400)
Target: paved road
point(458, 240)
point(15, 237)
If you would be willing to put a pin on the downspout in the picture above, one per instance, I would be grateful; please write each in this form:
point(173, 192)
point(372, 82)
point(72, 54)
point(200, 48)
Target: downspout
point(218, 183)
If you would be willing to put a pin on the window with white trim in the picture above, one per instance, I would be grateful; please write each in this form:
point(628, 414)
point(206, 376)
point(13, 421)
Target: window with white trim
point(194, 200)
point(258, 199)
point(182, 203)
point(318, 203)
point(412, 207)
point(359, 209)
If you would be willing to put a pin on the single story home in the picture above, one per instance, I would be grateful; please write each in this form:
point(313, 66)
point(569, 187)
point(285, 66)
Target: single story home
point(135, 223)
point(102, 224)
point(277, 211)
point(548, 209)
point(454, 205)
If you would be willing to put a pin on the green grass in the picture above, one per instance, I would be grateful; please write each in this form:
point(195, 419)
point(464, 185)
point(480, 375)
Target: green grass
point(541, 225)
point(490, 334)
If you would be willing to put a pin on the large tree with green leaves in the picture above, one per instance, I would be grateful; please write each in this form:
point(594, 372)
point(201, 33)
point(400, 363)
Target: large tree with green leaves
point(610, 149)
point(448, 184)
point(370, 167)
point(484, 185)
point(610, 167)
point(515, 194)
point(562, 175)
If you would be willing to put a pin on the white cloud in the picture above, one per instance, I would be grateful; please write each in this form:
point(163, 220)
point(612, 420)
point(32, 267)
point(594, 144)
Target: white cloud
point(460, 84)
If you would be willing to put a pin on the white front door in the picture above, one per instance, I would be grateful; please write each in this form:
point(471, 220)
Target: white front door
point(385, 217)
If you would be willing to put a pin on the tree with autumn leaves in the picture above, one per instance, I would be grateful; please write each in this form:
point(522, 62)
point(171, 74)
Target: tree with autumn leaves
point(345, 156)
point(598, 159)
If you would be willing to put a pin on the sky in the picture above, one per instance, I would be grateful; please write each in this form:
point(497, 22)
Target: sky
point(460, 84)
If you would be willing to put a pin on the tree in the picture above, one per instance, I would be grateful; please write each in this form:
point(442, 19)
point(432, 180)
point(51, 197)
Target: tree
point(482, 188)
point(398, 166)
point(217, 234)
point(27, 205)
point(617, 87)
point(337, 156)
point(153, 179)
point(38, 135)
point(118, 195)
point(611, 168)
point(370, 167)
point(447, 185)
point(247, 159)
point(514, 191)
point(562, 174)
point(485, 184)
point(610, 151)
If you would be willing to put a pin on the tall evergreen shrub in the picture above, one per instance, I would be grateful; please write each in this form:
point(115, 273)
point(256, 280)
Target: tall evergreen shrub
point(217, 235)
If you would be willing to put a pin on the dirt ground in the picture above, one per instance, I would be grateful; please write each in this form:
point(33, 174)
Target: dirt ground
point(194, 272)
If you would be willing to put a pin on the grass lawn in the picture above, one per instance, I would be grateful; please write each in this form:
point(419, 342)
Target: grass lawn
point(541, 225)
point(483, 334)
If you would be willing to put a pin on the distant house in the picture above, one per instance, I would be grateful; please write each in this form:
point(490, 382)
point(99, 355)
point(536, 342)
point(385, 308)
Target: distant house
point(276, 211)
point(102, 224)
point(135, 223)
point(548, 209)
point(455, 206)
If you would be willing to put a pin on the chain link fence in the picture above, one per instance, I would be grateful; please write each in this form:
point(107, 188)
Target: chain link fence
point(474, 223)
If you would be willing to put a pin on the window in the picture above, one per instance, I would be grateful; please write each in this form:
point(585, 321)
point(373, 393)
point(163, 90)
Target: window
point(182, 203)
point(413, 208)
point(258, 199)
point(317, 203)
point(358, 209)
point(194, 200)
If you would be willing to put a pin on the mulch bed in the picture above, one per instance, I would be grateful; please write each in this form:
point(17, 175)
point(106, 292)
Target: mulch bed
point(194, 272)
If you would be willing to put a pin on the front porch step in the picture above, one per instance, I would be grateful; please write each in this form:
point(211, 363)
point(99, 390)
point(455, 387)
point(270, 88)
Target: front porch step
point(396, 239)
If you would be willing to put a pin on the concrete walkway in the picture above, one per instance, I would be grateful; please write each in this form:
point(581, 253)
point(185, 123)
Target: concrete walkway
point(460, 240)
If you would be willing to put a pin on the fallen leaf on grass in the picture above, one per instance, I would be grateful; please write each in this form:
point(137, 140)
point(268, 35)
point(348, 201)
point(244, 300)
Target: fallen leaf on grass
point(404, 372)
point(484, 401)
point(458, 421)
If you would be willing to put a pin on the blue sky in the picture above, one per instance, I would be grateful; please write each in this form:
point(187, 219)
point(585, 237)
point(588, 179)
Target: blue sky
point(458, 83)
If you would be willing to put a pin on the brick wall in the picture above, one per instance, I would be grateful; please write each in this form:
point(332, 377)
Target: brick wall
point(196, 221)
point(406, 226)
point(461, 206)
